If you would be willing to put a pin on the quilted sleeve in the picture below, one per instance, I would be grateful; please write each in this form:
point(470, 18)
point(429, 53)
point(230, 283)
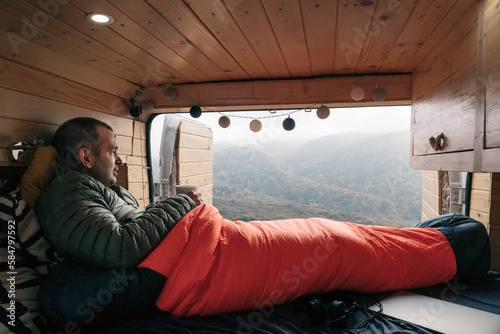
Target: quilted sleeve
point(83, 218)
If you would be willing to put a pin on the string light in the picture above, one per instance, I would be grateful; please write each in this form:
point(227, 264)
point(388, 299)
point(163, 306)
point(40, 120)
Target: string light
point(288, 124)
point(170, 93)
point(147, 106)
point(195, 111)
point(255, 125)
point(357, 93)
point(378, 94)
point(224, 122)
point(322, 112)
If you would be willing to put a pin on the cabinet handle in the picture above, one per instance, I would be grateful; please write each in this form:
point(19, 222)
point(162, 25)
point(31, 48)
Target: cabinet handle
point(438, 143)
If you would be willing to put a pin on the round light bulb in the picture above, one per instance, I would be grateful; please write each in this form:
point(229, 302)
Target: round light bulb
point(224, 122)
point(288, 124)
point(323, 112)
point(357, 93)
point(378, 94)
point(255, 125)
point(170, 93)
point(147, 105)
point(195, 111)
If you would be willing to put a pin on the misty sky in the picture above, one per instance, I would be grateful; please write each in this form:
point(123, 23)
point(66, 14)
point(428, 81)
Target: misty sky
point(374, 120)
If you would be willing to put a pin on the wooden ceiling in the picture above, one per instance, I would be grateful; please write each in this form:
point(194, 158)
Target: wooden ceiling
point(158, 42)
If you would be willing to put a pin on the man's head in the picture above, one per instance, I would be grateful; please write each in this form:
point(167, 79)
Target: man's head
point(88, 145)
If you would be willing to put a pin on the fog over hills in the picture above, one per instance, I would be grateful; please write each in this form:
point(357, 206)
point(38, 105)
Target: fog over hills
point(347, 177)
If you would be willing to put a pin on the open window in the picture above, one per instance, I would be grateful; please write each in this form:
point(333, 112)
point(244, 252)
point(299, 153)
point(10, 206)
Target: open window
point(181, 154)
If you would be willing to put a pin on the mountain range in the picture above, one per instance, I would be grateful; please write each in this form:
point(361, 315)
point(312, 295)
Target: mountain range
point(348, 177)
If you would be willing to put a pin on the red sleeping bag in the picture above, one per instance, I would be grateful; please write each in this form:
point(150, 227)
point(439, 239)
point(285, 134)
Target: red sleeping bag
point(214, 265)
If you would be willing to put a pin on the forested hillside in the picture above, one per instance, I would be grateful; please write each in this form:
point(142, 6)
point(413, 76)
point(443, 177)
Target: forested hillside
point(352, 178)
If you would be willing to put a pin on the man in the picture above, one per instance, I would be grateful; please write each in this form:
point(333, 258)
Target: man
point(85, 216)
point(96, 224)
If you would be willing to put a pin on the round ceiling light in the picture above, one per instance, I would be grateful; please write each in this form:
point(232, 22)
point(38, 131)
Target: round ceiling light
point(100, 18)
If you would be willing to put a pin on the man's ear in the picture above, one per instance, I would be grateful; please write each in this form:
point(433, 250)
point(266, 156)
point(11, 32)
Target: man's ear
point(86, 157)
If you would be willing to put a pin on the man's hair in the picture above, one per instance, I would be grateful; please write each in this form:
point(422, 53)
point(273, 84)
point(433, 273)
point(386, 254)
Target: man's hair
point(75, 134)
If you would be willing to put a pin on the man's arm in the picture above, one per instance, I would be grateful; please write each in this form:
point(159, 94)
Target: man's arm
point(83, 218)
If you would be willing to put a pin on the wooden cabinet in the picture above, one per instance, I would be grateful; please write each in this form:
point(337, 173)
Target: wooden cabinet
point(456, 91)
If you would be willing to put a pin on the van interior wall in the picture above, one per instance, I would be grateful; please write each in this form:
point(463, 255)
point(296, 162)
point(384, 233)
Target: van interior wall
point(36, 103)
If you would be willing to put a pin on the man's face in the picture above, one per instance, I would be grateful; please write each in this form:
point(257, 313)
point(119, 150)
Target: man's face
point(105, 167)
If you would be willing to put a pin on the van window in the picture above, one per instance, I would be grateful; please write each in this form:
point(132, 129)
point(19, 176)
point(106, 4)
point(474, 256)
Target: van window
point(350, 166)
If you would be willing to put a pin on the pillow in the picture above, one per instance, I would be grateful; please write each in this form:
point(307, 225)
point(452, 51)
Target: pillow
point(38, 175)
point(22, 241)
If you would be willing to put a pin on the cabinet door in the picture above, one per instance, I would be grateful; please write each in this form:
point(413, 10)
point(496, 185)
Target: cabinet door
point(492, 74)
point(444, 89)
point(455, 119)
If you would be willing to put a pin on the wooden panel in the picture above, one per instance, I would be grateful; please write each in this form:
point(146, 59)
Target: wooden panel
point(137, 174)
point(46, 59)
point(304, 93)
point(188, 169)
point(351, 40)
point(65, 39)
point(491, 160)
point(194, 142)
point(199, 180)
point(178, 14)
point(286, 20)
point(480, 201)
point(321, 42)
point(139, 130)
point(135, 160)
point(195, 129)
point(444, 90)
point(124, 144)
point(155, 71)
point(132, 32)
point(260, 36)
point(220, 22)
point(480, 216)
point(195, 158)
point(195, 155)
point(459, 162)
point(431, 199)
point(387, 22)
point(24, 79)
point(428, 212)
point(28, 107)
point(152, 22)
point(492, 75)
point(13, 130)
point(408, 42)
point(481, 181)
point(430, 195)
point(455, 18)
point(139, 147)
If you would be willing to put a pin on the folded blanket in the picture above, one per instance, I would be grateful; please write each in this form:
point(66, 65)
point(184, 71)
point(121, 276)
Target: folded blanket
point(214, 265)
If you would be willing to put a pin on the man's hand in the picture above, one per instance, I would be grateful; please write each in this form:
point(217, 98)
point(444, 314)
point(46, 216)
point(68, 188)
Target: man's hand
point(195, 195)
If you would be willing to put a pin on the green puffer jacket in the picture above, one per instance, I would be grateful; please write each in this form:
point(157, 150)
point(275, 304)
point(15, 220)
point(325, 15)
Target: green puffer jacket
point(83, 218)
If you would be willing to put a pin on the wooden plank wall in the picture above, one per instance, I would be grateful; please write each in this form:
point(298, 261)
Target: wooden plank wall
point(195, 158)
point(485, 207)
point(430, 194)
point(444, 90)
point(29, 109)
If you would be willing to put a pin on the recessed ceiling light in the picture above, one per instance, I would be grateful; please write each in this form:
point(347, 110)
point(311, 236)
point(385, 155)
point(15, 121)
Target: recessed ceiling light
point(100, 18)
